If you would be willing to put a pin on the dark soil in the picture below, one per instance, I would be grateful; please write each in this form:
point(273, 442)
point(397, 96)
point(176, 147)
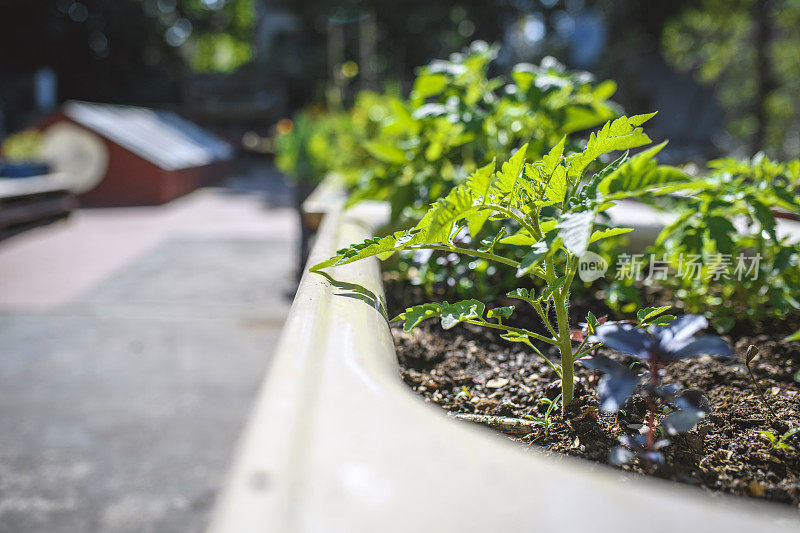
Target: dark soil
point(471, 370)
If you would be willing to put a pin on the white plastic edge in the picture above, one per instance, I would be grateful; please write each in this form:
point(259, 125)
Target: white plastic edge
point(337, 443)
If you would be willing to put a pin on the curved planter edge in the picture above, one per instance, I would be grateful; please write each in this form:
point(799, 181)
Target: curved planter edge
point(337, 442)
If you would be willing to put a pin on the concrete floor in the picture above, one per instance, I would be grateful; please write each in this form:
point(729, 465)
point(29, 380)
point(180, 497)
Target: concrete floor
point(132, 343)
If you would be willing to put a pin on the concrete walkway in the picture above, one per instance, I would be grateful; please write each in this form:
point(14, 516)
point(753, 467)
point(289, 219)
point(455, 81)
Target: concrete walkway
point(132, 342)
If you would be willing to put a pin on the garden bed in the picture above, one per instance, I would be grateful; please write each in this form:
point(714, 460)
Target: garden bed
point(337, 442)
point(478, 377)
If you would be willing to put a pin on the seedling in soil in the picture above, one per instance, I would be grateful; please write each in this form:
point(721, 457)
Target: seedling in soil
point(752, 351)
point(656, 346)
point(779, 443)
point(545, 420)
point(547, 207)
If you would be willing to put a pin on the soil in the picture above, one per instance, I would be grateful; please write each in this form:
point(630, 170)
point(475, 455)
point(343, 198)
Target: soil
point(471, 370)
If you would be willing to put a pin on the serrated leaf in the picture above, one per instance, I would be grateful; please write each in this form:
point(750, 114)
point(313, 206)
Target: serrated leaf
point(370, 247)
point(480, 180)
point(650, 312)
point(500, 312)
point(521, 294)
point(599, 235)
point(521, 238)
point(574, 230)
point(620, 134)
point(721, 231)
point(764, 217)
point(553, 157)
point(511, 170)
point(642, 174)
point(437, 224)
point(457, 312)
point(412, 316)
point(513, 336)
point(557, 186)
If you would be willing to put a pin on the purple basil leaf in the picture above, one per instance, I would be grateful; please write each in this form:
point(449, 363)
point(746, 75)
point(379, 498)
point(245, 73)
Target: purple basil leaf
point(620, 456)
point(615, 386)
point(653, 457)
point(615, 389)
point(667, 392)
point(674, 335)
point(660, 444)
point(601, 363)
point(693, 400)
point(636, 442)
point(624, 338)
point(702, 345)
point(681, 421)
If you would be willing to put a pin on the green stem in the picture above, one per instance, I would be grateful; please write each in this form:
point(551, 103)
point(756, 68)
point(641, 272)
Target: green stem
point(512, 329)
point(546, 319)
point(560, 301)
point(510, 213)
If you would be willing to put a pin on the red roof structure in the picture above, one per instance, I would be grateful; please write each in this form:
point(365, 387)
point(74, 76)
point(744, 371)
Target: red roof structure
point(122, 155)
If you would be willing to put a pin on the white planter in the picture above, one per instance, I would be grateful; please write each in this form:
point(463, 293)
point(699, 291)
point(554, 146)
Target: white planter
point(338, 443)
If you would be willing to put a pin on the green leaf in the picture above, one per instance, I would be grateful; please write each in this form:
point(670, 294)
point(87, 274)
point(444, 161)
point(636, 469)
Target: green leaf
point(428, 85)
point(521, 238)
point(522, 294)
point(662, 320)
point(789, 433)
point(500, 312)
point(370, 247)
point(385, 152)
point(480, 180)
point(621, 134)
point(557, 186)
point(591, 323)
point(551, 288)
point(764, 216)
point(510, 171)
point(650, 312)
point(457, 312)
point(768, 434)
point(599, 235)
point(794, 337)
point(513, 336)
point(605, 90)
point(529, 261)
point(574, 230)
point(722, 232)
point(642, 174)
point(414, 315)
point(553, 158)
point(437, 224)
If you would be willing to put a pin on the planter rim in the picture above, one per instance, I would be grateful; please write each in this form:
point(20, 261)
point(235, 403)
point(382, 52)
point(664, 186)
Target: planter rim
point(337, 442)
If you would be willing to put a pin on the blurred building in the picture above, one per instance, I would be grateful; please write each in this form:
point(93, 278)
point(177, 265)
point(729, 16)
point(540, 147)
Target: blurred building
point(113, 155)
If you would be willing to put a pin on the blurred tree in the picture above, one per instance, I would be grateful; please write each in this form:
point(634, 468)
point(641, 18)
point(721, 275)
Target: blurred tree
point(132, 51)
point(408, 33)
point(749, 50)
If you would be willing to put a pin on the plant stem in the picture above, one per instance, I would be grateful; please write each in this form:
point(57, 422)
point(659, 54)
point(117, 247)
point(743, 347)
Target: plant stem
point(519, 331)
point(760, 392)
point(565, 349)
point(560, 300)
